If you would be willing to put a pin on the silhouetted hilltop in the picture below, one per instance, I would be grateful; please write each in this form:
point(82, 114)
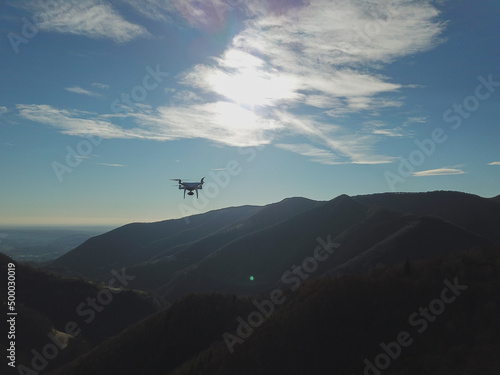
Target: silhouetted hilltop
point(262, 218)
point(339, 326)
point(247, 250)
point(141, 242)
point(468, 211)
point(168, 261)
point(124, 246)
point(365, 236)
point(265, 254)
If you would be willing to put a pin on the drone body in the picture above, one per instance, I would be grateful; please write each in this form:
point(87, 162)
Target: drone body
point(189, 186)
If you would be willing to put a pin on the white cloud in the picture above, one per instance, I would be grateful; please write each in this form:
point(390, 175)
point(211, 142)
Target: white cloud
point(186, 97)
point(389, 132)
point(293, 69)
point(209, 15)
point(314, 153)
point(357, 104)
point(90, 18)
point(3, 110)
point(375, 160)
point(222, 122)
point(79, 90)
point(414, 120)
point(381, 128)
point(323, 56)
point(100, 86)
point(494, 163)
point(71, 122)
point(243, 78)
point(439, 172)
point(110, 165)
point(342, 33)
point(352, 146)
point(312, 54)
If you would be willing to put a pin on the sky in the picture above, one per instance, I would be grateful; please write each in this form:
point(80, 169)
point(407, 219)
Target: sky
point(102, 103)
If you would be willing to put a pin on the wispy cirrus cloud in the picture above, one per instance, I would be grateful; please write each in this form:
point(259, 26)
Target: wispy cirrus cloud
point(415, 120)
point(379, 127)
point(223, 123)
point(389, 132)
point(343, 33)
point(349, 147)
point(314, 153)
point(439, 172)
point(90, 18)
point(71, 122)
point(313, 59)
point(100, 86)
point(494, 163)
point(201, 14)
point(110, 164)
point(295, 68)
point(82, 91)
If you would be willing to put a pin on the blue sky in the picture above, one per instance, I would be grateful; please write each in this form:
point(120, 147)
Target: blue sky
point(102, 103)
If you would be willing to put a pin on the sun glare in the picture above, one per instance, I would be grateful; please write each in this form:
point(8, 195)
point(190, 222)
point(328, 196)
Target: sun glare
point(247, 82)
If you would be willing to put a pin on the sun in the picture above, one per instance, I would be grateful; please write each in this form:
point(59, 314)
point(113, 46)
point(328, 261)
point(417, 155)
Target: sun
point(248, 87)
point(244, 79)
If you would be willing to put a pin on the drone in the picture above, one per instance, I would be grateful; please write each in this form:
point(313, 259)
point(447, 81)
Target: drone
point(189, 186)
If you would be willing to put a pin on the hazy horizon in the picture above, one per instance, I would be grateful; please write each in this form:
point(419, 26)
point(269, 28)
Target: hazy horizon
point(91, 226)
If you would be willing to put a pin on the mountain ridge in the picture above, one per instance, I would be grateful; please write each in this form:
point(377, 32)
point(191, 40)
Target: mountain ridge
point(236, 260)
point(94, 255)
point(246, 250)
point(470, 211)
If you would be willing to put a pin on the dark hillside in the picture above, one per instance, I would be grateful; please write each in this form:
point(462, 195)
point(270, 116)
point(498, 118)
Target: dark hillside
point(267, 253)
point(327, 326)
point(264, 217)
point(46, 301)
point(247, 250)
point(366, 236)
point(333, 326)
point(468, 211)
point(165, 340)
point(275, 213)
point(417, 237)
point(123, 246)
point(162, 267)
